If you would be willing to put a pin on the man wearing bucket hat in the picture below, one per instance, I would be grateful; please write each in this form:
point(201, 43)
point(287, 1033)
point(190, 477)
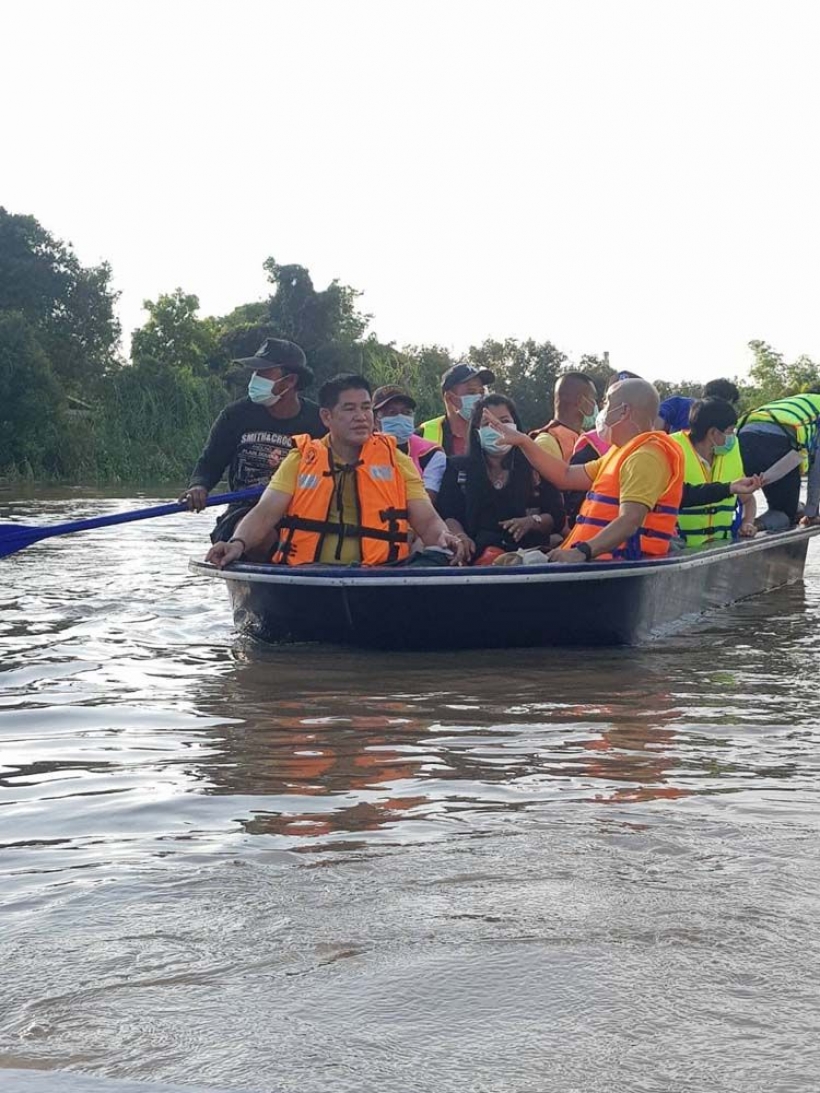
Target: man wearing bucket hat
point(394, 412)
point(461, 388)
point(252, 436)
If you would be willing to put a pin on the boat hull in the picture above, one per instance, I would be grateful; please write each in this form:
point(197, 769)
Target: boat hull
point(610, 603)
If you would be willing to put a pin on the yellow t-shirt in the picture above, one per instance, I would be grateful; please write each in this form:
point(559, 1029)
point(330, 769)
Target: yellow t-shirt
point(285, 482)
point(644, 475)
point(548, 442)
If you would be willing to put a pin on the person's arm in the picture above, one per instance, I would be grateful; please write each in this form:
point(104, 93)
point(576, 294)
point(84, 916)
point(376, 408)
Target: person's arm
point(554, 470)
point(431, 529)
point(631, 515)
point(747, 518)
point(216, 455)
point(253, 529)
point(812, 491)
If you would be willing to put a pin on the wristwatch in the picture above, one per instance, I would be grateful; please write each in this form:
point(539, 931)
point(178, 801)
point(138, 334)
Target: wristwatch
point(585, 549)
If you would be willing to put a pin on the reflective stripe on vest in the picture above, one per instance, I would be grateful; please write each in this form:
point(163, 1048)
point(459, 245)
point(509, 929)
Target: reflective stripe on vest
point(799, 418)
point(602, 503)
point(701, 524)
point(380, 523)
point(566, 438)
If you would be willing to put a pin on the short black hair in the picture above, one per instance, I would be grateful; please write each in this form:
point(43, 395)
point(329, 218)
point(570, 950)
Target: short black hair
point(724, 389)
point(331, 389)
point(710, 413)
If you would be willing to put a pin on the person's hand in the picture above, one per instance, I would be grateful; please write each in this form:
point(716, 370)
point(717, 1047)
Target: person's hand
point(195, 498)
point(747, 531)
point(520, 526)
point(222, 554)
point(509, 434)
point(461, 547)
point(567, 557)
point(746, 485)
point(809, 521)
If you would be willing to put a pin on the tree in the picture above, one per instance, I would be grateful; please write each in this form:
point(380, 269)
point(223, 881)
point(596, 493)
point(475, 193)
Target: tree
point(326, 324)
point(175, 338)
point(772, 378)
point(70, 307)
point(30, 397)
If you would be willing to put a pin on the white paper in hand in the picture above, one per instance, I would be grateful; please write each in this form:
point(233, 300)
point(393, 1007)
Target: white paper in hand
point(782, 467)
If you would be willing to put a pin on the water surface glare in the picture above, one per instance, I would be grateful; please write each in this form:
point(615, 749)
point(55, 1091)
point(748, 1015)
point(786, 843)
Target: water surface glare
point(236, 867)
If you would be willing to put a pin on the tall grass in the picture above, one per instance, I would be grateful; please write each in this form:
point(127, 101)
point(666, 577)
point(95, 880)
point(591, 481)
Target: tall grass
point(142, 427)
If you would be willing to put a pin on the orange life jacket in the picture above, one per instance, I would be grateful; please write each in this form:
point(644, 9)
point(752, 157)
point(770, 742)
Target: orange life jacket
point(602, 503)
point(381, 505)
point(565, 436)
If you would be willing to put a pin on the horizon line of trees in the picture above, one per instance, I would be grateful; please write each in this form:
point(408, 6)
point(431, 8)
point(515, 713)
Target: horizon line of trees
point(72, 408)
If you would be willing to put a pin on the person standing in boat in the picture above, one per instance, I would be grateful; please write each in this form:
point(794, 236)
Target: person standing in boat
point(772, 431)
point(461, 388)
point(394, 411)
point(350, 498)
point(491, 498)
point(712, 455)
point(252, 436)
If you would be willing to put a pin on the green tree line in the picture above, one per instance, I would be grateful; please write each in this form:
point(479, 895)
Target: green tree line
point(74, 409)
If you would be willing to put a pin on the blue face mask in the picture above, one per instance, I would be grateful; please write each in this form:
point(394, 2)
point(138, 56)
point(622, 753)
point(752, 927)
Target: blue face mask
point(727, 445)
point(400, 426)
point(468, 405)
point(490, 440)
point(261, 391)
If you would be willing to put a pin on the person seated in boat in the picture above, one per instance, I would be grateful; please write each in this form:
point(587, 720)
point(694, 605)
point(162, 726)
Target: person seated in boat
point(576, 407)
point(772, 431)
point(347, 499)
point(461, 388)
point(634, 491)
point(712, 456)
point(253, 435)
point(394, 411)
point(491, 498)
point(589, 446)
point(673, 414)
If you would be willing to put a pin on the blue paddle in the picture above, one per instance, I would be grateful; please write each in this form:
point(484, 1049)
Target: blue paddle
point(14, 537)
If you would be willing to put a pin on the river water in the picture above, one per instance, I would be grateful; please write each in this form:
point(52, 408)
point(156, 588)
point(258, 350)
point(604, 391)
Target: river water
point(237, 867)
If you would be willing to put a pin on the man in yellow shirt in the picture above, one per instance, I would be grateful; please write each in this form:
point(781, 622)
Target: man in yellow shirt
point(645, 476)
point(347, 412)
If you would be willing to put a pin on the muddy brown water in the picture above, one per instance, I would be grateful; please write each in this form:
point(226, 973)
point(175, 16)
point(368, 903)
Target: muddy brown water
point(237, 867)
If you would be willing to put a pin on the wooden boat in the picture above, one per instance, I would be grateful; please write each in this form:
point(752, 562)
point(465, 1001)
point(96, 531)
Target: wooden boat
point(604, 603)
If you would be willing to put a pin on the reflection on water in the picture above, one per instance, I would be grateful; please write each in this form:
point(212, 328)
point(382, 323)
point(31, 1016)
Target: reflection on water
point(306, 868)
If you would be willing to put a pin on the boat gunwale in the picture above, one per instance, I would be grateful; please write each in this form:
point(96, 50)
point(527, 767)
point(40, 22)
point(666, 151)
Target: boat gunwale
point(548, 573)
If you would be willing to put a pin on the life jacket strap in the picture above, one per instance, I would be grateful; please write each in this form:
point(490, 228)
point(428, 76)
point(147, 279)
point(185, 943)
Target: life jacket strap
point(359, 531)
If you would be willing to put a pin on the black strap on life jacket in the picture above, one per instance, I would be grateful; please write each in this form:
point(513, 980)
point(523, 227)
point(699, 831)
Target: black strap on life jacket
point(324, 528)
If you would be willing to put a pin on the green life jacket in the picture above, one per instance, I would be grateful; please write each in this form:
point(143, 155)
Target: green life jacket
point(799, 418)
point(708, 523)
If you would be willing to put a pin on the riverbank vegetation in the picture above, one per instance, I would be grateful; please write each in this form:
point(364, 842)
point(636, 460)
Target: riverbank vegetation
point(74, 409)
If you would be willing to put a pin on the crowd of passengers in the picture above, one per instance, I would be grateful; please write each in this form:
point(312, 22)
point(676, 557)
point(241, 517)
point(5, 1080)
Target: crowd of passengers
point(355, 480)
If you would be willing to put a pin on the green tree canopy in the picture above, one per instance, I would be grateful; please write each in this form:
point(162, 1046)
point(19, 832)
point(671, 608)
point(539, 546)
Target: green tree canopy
point(525, 371)
point(69, 307)
point(175, 337)
point(29, 397)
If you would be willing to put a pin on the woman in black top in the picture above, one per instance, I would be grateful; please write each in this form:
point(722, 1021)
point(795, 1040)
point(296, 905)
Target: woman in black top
point(491, 497)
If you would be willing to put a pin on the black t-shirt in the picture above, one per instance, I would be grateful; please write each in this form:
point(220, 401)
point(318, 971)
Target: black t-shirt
point(251, 443)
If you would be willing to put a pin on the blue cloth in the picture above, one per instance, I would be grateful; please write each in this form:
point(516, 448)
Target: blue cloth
point(675, 412)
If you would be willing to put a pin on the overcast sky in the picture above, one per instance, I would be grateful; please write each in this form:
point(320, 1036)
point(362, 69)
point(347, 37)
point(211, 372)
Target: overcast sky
point(640, 177)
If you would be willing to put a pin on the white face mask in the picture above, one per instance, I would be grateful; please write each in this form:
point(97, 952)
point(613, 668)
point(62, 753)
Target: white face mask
point(602, 426)
point(260, 391)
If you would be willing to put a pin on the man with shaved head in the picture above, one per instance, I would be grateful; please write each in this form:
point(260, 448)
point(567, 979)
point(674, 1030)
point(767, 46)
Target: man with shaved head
point(634, 491)
point(576, 404)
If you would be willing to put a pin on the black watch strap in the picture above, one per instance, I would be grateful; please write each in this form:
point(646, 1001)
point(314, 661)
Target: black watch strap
point(585, 549)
